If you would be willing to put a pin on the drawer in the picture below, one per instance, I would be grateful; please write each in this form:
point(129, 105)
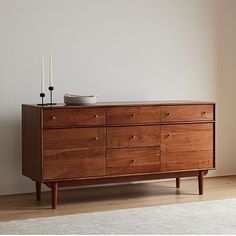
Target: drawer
point(73, 117)
point(133, 136)
point(187, 146)
point(74, 163)
point(54, 139)
point(133, 160)
point(133, 115)
point(187, 113)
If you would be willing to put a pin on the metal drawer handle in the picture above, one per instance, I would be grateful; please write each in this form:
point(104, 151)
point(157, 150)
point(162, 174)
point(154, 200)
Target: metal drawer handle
point(54, 117)
point(169, 135)
point(204, 113)
point(133, 161)
point(96, 138)
point(134, 137)
point(96, 116)
point(133, 115)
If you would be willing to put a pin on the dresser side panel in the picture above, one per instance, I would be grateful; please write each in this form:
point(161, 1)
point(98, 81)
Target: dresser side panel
point(32, 142)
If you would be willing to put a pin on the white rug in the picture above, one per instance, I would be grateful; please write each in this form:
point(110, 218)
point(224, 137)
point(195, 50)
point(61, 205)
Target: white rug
point(212, 217)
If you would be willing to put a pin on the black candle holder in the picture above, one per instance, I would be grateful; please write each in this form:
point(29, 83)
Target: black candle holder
point(51, 88)
point(42, 95)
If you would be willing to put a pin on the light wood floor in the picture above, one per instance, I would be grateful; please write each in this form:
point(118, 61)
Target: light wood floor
point(72, 201)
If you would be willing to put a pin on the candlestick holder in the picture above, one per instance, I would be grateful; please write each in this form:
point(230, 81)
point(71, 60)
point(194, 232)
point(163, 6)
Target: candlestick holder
point(42, 95)
point(51, 88)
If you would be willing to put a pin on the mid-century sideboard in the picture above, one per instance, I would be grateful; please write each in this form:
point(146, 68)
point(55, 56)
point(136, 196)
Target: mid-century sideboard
point(117, 142)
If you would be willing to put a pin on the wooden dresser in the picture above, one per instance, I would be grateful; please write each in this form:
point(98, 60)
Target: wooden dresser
point(117, 142)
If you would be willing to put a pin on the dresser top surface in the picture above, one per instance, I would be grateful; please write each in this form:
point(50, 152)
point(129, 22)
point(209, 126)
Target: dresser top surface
point(127, 103)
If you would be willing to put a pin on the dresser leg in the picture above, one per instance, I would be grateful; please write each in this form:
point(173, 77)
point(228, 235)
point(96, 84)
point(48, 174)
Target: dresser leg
point(54, 193)
point(200, 182)
point(38, 190)
point(177, 182)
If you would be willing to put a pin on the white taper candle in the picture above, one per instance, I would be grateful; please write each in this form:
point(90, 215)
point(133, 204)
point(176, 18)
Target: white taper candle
point(42, 75)
point(51, 72)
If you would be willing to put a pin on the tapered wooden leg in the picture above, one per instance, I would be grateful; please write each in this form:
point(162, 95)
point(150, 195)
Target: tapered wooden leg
point(177, 182)
point(200, 182)
point(38, 190)
point(54, 193)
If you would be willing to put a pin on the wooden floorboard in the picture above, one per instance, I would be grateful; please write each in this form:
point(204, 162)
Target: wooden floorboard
point(73, 201)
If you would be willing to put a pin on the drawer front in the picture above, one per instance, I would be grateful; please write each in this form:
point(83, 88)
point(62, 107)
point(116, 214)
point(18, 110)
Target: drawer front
point(54, 139)
point(73, 163)
point(187, 146)
point(133, 115)
point(187, 113)
point(73, 117)
point(134, 136)
point(133, 160)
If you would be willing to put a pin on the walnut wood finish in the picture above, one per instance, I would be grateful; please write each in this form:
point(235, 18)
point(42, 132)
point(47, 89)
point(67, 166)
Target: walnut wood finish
point(133, 160)
point(187, 113)
point(187, 146)
point(200, 182)
point(74, 152)
point(74, 138)
point(126, 104)
point(74, 117)
point(54, 194)
point(38, 190)
point(117, 142)
point(133, 115)
point(74, 163)
point(124, 178)
point(177, 182)
point(32, 142)
point(135, 136)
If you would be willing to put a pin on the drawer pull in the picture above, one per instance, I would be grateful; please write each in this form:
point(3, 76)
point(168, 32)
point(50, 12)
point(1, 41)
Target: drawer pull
point(96, 138)
point(96, 116)
point(204, 113)
point(133, 161)
point(54, 117)
point(169, 114)
point(134, 137)
point(133, 115)
point(169, 135)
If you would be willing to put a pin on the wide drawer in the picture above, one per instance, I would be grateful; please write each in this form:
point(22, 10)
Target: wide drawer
point(133, 115)
point(74, 163)
point(133, 136)
point(187, 113)
point(73, 117)
point(54, 139)
point(133, 160)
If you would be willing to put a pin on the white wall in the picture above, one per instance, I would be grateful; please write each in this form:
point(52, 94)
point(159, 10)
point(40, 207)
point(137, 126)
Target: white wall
point(118, 49)
point(226, 92)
